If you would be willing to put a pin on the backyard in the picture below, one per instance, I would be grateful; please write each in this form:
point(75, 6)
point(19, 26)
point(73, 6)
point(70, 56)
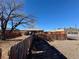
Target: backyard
point(69, 48)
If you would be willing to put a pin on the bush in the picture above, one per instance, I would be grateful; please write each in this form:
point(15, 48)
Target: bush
point(13, 34)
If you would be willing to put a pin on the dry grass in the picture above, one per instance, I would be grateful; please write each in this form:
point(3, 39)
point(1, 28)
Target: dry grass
point(6, 45)
point(70, 48)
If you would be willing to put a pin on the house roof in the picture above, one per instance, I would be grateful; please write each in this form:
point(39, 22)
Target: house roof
point(56, 30)
point(34, 29)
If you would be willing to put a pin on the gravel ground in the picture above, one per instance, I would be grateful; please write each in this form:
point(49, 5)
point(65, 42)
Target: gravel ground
point(69, 48)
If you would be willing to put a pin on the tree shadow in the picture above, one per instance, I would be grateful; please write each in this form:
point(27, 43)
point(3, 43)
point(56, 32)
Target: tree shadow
point(49, 52)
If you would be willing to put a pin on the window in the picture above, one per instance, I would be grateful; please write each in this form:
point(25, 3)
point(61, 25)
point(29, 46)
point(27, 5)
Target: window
point(69, 32)
point(75, 32)
point(72, 32)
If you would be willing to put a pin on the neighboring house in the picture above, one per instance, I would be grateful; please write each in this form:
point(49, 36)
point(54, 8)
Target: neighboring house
point(72, 33)
point(34, 30)
point(27, 31)
point(66, 33)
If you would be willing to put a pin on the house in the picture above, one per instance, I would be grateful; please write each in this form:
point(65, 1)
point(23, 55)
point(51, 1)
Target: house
point(34, 30)
point(66, 33)
point(72, 33)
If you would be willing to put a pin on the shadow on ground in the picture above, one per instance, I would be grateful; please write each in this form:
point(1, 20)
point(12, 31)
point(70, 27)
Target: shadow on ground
point(49, 52)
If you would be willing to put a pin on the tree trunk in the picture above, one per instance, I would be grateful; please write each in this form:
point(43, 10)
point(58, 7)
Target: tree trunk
point(3, 36)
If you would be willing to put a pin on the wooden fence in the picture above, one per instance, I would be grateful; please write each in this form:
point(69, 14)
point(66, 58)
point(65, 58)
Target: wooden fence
point(56, 35)
point(20, 50)
point(25, 49)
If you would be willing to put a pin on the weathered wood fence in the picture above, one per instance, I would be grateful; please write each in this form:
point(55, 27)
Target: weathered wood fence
point(24, 49)
point(20, 50)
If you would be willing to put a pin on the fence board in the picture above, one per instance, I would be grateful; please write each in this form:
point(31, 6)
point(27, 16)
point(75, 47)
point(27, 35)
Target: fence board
point(20, 50)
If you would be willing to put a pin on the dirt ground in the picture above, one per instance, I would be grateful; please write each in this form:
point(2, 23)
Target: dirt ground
point(69, 48)
point(6, 45)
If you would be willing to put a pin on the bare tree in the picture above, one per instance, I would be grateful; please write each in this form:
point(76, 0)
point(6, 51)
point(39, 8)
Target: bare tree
point(11, 14)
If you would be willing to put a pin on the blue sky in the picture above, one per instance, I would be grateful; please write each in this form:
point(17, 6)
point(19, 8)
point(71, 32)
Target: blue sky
point(52, 14)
